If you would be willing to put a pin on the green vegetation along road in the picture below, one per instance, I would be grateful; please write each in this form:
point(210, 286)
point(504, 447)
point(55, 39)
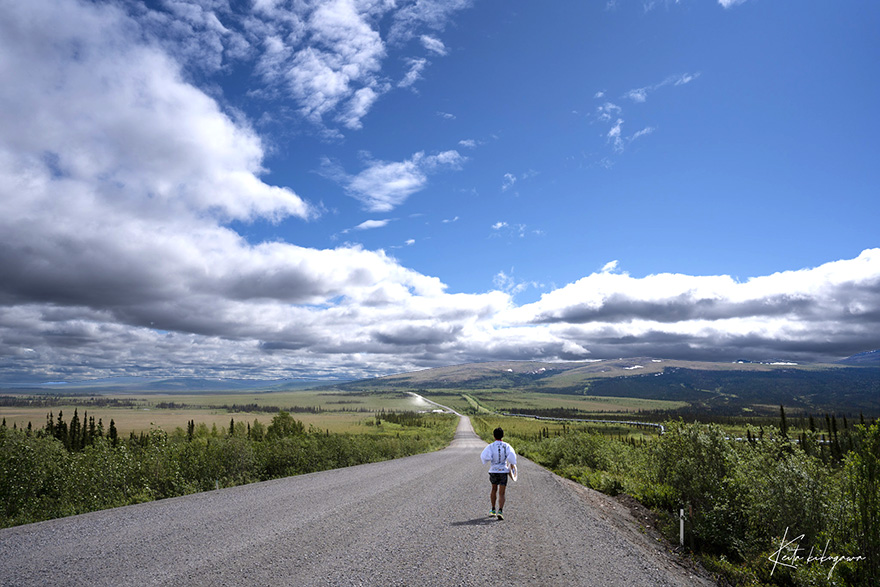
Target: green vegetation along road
point(419, 520)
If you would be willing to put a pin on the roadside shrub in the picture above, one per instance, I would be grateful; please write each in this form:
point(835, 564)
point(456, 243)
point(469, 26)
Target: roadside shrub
point(31, 469)
point(693, 459)
point(857, 523)
point(778, 487)
point(284, 425)
point(99, 477)
point(653, 495)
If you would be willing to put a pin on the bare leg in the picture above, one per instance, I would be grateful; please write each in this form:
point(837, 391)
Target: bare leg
point(492, 496)
point(503, 490)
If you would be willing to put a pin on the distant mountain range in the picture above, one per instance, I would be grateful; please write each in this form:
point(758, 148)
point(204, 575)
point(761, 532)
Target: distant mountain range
point(743, 387)
point(166, 385)
point(866, 358)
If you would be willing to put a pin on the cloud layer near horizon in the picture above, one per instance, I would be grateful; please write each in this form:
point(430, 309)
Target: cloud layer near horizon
point(117, 257)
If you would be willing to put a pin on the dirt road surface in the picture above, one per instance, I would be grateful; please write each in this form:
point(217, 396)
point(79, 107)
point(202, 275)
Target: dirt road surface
point(419, 521)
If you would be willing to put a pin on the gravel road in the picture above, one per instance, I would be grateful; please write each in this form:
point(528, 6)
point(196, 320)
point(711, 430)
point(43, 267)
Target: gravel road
point(420, 520)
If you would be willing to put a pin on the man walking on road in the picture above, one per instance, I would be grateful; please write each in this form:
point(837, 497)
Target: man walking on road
point(502, 457)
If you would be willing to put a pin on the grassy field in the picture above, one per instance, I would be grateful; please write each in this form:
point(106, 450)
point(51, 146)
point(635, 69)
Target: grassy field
point(530, 429)
point(519, 400)
point(142, 420)
point(506, 400)
point(334, 411)
point(287, 400)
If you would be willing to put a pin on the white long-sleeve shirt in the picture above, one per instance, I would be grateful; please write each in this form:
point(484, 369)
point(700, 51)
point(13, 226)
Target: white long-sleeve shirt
point(499, 453)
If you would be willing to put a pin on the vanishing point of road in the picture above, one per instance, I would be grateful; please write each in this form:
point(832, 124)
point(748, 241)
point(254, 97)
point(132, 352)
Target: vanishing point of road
point(420, 521)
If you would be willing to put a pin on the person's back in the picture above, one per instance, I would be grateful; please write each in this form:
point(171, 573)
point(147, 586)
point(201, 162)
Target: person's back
point(502, 457)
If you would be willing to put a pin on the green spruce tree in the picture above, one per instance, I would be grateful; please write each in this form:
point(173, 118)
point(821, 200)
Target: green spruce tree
point(112, 434)
point(783, 424)
point(61, 430)
point(74, 433)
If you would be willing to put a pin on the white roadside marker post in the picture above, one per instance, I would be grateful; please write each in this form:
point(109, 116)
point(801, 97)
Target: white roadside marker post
point(681, 526)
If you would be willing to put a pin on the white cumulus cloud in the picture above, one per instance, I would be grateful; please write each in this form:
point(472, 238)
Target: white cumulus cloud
point(414, 74)
point(433, 44)
point(822, 310)
point(384, 185)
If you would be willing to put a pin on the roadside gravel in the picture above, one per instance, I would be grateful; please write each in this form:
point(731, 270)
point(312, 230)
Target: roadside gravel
point(420, 520)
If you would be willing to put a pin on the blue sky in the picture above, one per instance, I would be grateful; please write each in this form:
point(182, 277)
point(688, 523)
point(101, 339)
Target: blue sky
point(347, 188)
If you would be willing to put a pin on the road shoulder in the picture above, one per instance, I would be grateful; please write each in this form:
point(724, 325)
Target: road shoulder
point(638, 523)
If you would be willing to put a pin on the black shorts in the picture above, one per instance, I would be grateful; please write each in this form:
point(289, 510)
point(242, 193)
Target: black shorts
point(498, 478)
